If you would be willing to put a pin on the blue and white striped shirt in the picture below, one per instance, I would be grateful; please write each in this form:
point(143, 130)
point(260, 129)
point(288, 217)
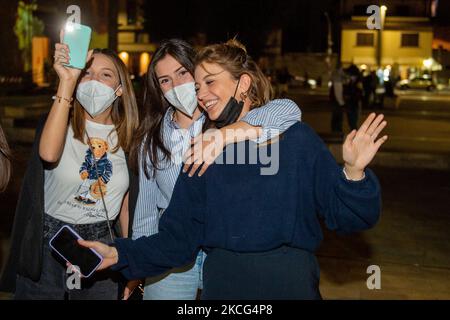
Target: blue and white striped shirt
point(155, 193)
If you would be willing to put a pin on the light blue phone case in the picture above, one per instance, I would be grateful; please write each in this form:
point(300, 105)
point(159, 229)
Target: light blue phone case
point(77, 37)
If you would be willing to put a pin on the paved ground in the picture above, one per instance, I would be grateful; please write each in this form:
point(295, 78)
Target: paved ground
point(411, 243)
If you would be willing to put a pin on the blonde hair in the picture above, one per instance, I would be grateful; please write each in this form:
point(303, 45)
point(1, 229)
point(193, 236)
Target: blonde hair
point(232, 56)
point(124, 112)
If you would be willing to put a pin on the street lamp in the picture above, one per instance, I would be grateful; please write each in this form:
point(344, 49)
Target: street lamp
point(427, 63)
point(329, 46)
point(383, 10)
point(329, 37)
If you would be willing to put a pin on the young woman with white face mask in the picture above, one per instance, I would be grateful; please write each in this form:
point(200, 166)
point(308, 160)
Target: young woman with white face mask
point(171, 121)
point(77, 176)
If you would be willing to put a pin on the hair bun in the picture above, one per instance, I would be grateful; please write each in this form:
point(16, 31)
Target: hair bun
point(236, 44)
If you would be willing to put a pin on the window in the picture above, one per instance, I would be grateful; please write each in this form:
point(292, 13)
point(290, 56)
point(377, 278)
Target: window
point(410, 39)
point(364, 39)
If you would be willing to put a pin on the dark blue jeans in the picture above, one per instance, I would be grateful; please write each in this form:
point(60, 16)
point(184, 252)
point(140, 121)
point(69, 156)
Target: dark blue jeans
point(284, 273)
point(102, 285)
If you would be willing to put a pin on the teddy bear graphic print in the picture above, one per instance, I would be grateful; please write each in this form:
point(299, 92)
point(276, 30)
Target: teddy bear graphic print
point(73, 191)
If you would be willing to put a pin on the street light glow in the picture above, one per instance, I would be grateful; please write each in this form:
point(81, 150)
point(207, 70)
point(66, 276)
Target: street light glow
point(427, 63)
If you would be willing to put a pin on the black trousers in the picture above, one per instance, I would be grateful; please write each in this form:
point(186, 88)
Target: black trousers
point(337, 117)
point(285, 273)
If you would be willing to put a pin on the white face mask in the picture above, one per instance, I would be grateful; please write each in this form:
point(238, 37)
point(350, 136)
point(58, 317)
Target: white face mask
point(95, 97)
point(183, 97)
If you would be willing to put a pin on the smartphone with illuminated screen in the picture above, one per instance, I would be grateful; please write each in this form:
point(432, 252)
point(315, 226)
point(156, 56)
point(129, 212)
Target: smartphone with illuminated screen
point(77, 37)
point(65, 243)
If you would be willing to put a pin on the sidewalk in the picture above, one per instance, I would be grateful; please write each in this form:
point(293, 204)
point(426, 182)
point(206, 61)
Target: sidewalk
point(410, 243)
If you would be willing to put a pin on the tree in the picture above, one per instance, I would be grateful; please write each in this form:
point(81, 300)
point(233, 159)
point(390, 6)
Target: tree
point(27, 26)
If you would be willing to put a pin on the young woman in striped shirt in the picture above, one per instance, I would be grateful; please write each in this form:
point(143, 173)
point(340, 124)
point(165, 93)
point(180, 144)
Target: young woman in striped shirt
point(171, 121)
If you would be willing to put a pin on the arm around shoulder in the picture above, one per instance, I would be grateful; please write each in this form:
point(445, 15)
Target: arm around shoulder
point(274, 118)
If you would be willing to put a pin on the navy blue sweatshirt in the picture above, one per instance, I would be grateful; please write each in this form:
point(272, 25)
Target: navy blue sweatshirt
point(234, 207)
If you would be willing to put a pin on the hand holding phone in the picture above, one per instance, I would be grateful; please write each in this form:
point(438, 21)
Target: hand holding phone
point(62, 64)
point(67, 64)
point(65, 243)
point(109, 254)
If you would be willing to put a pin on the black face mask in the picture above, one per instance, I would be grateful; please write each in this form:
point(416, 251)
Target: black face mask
point(231, 111)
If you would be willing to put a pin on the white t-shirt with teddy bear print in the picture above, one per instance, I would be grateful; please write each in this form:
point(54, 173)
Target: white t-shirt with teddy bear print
point(72, 190)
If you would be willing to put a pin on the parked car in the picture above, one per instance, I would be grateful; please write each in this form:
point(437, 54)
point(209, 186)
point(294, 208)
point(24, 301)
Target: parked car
point(417, 83)
point(302, 82)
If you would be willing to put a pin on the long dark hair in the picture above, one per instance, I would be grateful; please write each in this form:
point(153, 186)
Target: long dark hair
point(5, 161)
point(155, 107)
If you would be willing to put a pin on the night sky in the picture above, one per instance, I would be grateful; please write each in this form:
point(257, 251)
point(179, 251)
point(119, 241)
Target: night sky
point(303, 22)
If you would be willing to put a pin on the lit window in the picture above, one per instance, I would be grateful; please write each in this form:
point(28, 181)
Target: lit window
point(125, 57)
point(144, 61)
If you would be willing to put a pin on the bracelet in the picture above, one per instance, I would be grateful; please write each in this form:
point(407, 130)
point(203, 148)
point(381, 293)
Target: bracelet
point(62, 98)
point(348, 178)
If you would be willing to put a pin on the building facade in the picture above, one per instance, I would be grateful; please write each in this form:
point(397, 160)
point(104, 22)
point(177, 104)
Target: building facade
point(133, 43)
point(403, 44)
